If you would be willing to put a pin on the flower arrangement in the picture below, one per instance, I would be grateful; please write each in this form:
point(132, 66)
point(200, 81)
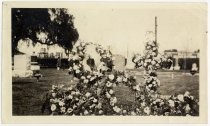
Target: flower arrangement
point(94, 92)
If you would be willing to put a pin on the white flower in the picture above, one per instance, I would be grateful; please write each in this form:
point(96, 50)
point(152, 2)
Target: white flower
point(159, 61)
point(125, 79)
point(112, 103)
point(83, 77)
point(88, 76)
point(150, 85)
point(116, 109)
point(187, 94)
point(187, 108)
point(80, 48)
point(114, 85)
point(113, 99)
point(74, 106)
point(154, 82)
point(145, 64)
point(137, 87)
point(149, 60)
point(85, 81)
point(111, 91)
point(53, 87)
point(158, 100)
point(88, 94)
point(180, 98)
point(70, 69)
point(61, 86)
point(124, 111)
point(70, 96)
point(119, 79)
point(171, 103)
point(77, 99)
point(133, 113)
point(99, 105)
point(53, 95)
point(148, 47)
point(111, 76)
point(86, 112)
point(154, 48)
point(75, 67)
point(70, 88)
point(188, 115)
point(69, 110)
point(108, 95)
point(108, 84)
point(93, 105)
point(92, 78)
point(61, 103)
point(153, 62)
point(100, 112)
point(147, 110)
point(143, 104)
point(83, 44)
point(153, 53)
point(74, 50)
point(53, 107)
point(73, 92)
point(63, 109)
point(77, 71)
point(95, 100)
point(77, 93)
point(161, 103)
point(192, 97)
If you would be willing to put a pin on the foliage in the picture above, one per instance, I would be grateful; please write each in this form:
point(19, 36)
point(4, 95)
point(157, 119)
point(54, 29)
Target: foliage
point(55, 23)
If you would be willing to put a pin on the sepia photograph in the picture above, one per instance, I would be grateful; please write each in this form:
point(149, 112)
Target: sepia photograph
point(104, 59)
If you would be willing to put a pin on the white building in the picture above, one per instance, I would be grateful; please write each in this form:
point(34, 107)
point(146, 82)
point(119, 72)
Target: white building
point(41, 50)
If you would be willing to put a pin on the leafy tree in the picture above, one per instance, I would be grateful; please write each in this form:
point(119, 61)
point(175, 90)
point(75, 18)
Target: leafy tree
point(56, 23)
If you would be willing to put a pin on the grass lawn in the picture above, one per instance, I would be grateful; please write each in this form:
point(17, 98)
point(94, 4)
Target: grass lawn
point(28, 95)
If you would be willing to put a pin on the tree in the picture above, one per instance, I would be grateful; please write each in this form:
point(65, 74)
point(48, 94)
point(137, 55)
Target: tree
point(56, 23)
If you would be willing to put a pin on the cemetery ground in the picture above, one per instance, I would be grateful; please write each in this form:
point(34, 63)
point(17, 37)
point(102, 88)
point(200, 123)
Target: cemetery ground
point(28, 95)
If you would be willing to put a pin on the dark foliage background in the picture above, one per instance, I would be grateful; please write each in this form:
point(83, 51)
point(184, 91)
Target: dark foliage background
point(57, 23)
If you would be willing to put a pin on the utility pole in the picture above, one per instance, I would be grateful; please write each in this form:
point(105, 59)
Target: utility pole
point(155, 28)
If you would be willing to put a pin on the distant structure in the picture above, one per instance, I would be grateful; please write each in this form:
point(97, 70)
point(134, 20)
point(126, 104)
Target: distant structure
point(182, 54)
point(41, 50)
point(182, 59)
point(51, 52)
point(119, 62)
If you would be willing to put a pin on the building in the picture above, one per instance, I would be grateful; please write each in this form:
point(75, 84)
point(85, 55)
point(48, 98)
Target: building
point(181, 54)
point(41, 50)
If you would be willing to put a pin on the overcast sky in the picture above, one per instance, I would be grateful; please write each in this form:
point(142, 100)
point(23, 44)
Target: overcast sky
point(180, 26)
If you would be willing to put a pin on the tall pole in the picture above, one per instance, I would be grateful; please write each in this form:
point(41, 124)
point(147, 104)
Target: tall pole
point(155, 28)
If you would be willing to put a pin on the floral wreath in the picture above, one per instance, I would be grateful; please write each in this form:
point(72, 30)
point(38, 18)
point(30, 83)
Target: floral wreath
point(93, 93)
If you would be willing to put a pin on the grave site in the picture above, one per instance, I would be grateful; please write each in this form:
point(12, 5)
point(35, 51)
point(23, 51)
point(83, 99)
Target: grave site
point(29, 94)
point(82, 78)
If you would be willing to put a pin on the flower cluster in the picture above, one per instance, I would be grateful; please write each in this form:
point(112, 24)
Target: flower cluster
point(149, 98)
point(151, 60)
point(179, 105)
point(151, 82)
point(77, 56)
point(94, 92)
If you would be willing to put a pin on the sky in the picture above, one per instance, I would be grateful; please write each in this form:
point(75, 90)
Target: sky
point(126, 26)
